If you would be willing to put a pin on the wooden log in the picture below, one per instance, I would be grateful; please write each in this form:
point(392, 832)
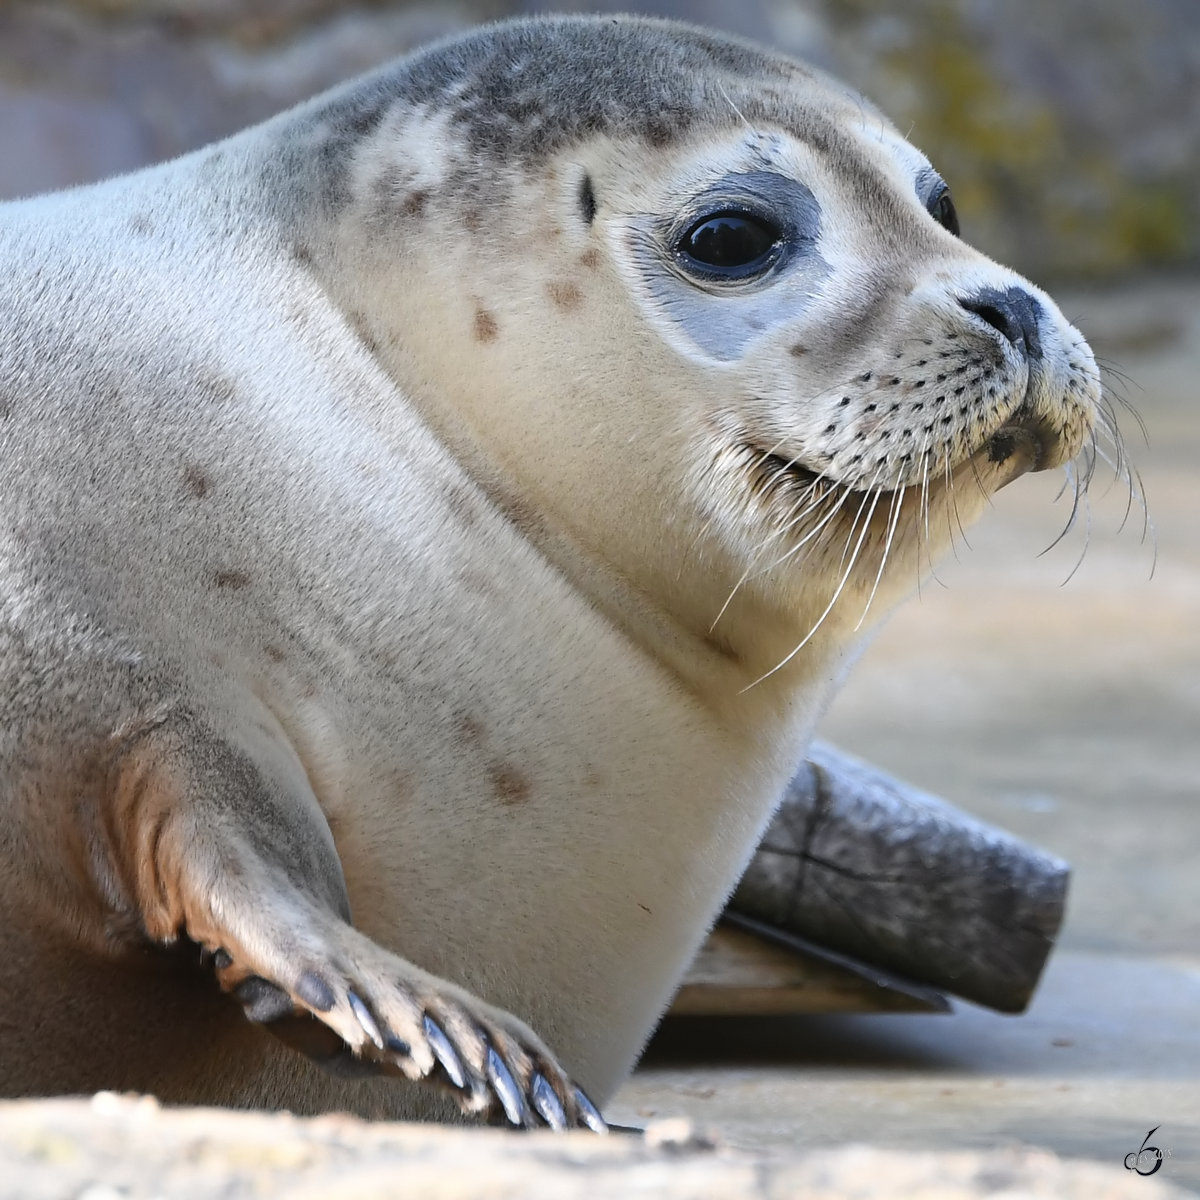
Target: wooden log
point(868, 867)
point(743, 970)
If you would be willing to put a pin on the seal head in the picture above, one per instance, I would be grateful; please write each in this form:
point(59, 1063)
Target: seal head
point(751, 307)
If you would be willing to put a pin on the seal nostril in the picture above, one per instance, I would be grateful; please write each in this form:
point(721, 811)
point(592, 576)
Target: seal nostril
point(993, 316)
point(1013, 313)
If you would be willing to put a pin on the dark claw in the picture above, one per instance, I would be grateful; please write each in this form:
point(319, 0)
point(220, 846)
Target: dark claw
point(444, 1052)
point(546, 1103)
point(363, 1016)
point(398, 1046)
point(263, 1002)
point(505, 1087)
point(315, 992)
point(589, 1114)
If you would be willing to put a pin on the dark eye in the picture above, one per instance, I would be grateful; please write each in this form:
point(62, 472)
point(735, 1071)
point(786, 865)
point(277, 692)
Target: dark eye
point(942, 210)
point(729, 245)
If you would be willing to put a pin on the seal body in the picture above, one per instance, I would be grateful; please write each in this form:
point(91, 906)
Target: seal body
point(433, 522)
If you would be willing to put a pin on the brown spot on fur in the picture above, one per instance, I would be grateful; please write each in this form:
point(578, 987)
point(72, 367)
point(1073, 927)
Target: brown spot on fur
point(274, 653)
point(590, 259)
point(469, 730)
point(234, 581)
point(386, 659)
point(565, 295)
point(196, 481)
point(479, 582)
point(359, 321)
point(414, 203)
point(486, 329)
point(799, 350)
point(522, 514)
point(509, 785)
point(472, 220)
point(302, 254)
point(462, 504)
point(216, 388)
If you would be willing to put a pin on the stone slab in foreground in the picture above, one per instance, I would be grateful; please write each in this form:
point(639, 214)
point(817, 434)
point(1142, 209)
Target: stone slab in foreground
point(125, 1148)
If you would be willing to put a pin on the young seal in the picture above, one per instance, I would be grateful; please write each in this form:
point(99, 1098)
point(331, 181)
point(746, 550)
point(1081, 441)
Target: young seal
point(433, 522)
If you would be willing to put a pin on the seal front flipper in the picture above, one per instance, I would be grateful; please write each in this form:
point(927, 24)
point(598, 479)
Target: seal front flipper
point(228, 847)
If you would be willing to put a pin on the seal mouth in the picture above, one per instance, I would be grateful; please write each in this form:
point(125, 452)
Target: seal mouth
point(1023, 444)
point(769, 471)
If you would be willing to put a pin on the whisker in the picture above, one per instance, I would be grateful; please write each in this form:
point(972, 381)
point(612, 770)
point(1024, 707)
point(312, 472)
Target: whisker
point(927, 449)
point(1087, 540)
point(750, 572)
point(837, 591)
point(871, 494)
point(1072, 476)
point(893, 520)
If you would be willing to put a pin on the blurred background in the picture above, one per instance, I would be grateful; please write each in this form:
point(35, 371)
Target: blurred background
point(1068, 712)
point(1069, 131)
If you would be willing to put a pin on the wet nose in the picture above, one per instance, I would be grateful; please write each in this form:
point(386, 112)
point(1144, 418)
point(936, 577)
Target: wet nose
point(1013, 312)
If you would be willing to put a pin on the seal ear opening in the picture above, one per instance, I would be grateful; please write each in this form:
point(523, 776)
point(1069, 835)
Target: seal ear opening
point(587, 199)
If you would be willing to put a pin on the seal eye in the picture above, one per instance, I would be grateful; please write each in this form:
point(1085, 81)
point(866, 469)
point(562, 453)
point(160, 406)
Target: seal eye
point(729, 245)
point(942, 210)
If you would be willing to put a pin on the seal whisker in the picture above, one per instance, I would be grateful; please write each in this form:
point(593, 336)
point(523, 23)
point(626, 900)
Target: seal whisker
point(740, 115)
point(1087, 540)
point(950, 504)
point(1110, 371)
point(817, 532)
point(873, 493)
point(870, 494)
point(898, 495)
point(763, 456)
point(1135, 494)
point(814, 487)
point(1073, 476)
point(926, 504)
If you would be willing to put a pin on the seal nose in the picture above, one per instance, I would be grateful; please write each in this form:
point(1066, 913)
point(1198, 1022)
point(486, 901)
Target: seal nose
point(1013, 312)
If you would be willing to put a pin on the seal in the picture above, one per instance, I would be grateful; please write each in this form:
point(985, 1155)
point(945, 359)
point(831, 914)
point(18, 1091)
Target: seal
point(433, 522)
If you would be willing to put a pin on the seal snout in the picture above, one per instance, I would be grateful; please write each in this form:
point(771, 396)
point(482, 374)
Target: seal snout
point(1051, 420)
point(1013, 313)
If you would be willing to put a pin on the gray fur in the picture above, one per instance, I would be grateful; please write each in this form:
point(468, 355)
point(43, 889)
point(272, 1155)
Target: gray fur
point(520, 91)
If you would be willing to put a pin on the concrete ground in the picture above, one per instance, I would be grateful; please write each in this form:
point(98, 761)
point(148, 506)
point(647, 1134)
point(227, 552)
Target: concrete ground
point(1069, 714)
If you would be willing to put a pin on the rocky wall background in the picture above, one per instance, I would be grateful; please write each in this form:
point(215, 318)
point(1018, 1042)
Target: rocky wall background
point(1069, 130)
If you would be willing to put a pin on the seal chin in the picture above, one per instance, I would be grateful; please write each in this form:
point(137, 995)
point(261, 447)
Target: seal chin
point(1021, 446)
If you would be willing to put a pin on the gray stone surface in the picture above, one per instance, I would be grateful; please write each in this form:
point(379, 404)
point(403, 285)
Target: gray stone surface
point(125, 1149)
